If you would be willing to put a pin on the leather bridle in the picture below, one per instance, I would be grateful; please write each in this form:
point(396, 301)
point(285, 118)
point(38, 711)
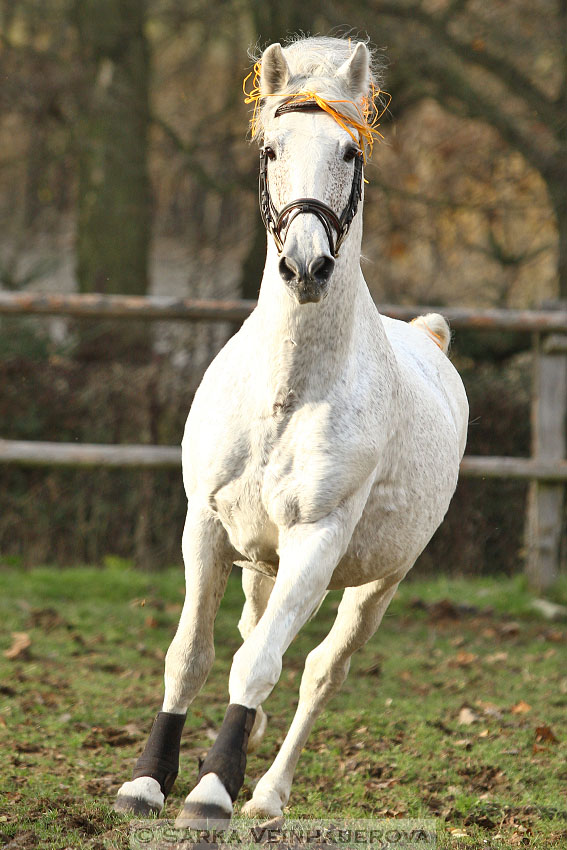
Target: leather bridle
point(278, 223)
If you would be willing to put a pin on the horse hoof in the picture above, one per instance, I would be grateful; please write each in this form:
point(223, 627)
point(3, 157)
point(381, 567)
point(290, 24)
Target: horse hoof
point(265, 803)
point(135, 806)
point(202, 816)
point(142, 796)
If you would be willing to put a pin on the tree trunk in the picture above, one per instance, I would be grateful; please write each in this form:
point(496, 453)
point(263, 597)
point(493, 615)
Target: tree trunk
point(558, 192)
point(113, 227)
point(253, 266)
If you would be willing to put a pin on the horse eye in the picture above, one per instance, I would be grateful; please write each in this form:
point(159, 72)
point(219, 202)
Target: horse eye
point(270, 152)
point(350, 154)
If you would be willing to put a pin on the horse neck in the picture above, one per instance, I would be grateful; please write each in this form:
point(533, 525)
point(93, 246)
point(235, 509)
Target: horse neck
point(308, 346)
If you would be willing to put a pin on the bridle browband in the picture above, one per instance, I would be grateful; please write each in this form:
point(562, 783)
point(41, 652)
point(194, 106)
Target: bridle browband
point(277, 223)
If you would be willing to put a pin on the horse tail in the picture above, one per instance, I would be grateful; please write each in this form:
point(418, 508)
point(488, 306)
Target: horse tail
point(437, 328)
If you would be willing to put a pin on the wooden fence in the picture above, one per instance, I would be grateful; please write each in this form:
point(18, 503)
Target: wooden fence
point(546, 469)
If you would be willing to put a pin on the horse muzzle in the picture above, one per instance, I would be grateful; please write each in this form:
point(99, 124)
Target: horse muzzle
point(308, 282)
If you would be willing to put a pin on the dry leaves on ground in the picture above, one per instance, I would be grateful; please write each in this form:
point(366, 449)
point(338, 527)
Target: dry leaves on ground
point(21, 643)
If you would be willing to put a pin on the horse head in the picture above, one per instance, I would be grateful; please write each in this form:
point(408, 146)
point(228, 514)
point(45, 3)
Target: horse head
point(311, 162)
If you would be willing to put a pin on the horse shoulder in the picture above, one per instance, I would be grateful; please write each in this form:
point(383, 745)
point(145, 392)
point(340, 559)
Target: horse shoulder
point(214, 442)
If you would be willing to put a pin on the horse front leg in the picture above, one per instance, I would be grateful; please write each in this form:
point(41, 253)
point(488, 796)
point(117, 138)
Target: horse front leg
point(257, 589)
point(326, 667)
point(309, 554)
point(207, 558)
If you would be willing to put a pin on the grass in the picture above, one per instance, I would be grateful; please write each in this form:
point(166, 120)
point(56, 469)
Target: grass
point(451, 713)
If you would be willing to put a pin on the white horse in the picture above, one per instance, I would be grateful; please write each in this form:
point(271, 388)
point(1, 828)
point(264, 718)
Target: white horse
point(321, 451)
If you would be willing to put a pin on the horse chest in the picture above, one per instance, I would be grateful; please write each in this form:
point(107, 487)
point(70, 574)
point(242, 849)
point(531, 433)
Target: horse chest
point(240, 508)
point(285, 479)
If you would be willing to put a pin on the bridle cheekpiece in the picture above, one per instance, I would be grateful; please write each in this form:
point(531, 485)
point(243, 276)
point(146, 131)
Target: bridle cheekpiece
point(278, 223)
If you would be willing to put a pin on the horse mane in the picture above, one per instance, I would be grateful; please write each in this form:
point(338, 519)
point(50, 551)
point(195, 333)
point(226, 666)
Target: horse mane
point(314, 62)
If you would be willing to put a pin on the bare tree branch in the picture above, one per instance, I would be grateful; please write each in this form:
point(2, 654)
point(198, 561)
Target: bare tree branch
point(518, 83)
point(189, 150)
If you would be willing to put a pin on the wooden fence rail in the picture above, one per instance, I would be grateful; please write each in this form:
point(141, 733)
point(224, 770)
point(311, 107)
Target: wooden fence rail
point(546, 469)
point(37, 453)
point(154, 308)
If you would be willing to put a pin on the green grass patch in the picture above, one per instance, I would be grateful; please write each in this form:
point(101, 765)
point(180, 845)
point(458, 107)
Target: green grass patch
point(455, 709)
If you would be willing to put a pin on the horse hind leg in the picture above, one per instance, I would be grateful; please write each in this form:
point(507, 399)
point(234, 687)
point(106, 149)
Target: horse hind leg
point(188, 661)
point(326, 668)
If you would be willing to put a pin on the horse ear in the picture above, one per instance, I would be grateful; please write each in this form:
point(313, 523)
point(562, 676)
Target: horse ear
point(355, 72)
point(275, 71)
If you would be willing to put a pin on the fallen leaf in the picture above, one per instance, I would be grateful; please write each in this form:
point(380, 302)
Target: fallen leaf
point(496, 656)
point(137, 603)
point(467, 716)
point(21, 643)
point(543, 734)
point(521, 708)
point(489, 708)
point(463, 659)
point(134, 730)
point(555, 636)
point(510, 629)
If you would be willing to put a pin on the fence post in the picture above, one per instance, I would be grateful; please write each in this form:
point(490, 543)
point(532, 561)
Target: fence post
point(545, 544)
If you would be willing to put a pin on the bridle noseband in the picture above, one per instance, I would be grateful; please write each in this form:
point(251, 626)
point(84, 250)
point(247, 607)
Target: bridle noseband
point(277, 223)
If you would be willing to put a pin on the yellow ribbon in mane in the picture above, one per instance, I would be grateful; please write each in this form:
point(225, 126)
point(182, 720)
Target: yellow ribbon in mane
point(369, 112)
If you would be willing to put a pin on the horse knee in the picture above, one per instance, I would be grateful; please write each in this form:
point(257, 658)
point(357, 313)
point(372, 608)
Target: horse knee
point(187, 665)
point(254, 672)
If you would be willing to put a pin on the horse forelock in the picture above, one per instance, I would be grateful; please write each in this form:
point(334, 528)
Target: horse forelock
point(314, 62)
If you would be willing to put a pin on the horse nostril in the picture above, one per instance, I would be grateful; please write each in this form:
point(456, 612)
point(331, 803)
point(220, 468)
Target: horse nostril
point(288, 269)
point(321, 268)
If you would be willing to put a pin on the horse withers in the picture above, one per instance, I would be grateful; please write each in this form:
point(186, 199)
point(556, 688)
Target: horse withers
point(322, 447)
